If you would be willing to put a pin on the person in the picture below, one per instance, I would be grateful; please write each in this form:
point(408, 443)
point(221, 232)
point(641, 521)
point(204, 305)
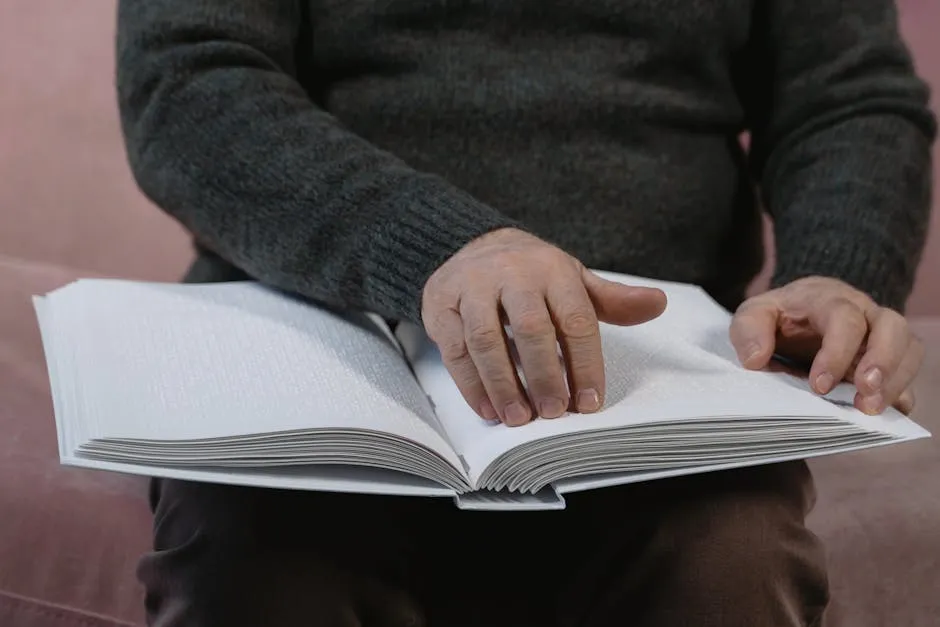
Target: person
point(461, 164)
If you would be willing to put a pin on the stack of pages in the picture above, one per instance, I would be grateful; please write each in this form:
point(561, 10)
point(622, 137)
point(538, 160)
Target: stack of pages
point(237, 383)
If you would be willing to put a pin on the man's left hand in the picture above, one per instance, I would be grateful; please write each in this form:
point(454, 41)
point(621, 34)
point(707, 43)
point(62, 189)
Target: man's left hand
point(841, 332)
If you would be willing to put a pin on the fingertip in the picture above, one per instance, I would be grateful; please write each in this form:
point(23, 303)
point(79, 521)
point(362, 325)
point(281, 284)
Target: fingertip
point(616, 303)
point(754, 355)
point(487, 411)
point(655, 299)
point(516, 414)
point(905, 403)
point(822, 383)
point(588, 401)
point(653, 294)
point(752, 333)
point(646, 309)
point(871, 405)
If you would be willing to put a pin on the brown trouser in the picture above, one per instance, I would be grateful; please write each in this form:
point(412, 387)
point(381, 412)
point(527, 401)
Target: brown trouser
point(725, 549)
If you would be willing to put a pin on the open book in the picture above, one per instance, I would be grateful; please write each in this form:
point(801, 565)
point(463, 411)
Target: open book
point(237, 383)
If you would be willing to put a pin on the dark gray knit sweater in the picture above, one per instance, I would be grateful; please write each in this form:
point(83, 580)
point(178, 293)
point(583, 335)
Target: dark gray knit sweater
point(343, 150)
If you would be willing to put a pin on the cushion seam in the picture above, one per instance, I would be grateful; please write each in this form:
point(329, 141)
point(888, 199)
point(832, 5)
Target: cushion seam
point(25, 263)
point(19, 603)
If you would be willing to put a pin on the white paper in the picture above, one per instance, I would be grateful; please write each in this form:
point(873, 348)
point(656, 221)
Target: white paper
point(334, 478)
point(173, 363)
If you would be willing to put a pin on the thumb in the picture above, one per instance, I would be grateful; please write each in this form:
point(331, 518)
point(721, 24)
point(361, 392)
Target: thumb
point(754, 332)
point(624, 305)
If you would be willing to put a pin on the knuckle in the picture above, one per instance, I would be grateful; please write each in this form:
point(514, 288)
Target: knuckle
point(576, 264)
point(435, 322)
point(855, 324)
point(579, 323)
point(850, 317)
point(864, 301)
point(545, 386)
point(502, 387)
point(485, 339)
point(891, 316)
point(752, 303)
point(454, 350)
point(842, 304)
point(543, 381)
point(532, 325)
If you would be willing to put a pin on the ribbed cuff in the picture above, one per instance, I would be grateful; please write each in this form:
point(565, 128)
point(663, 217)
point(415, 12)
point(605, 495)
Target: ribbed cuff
point(431, 222)
point(866, 264)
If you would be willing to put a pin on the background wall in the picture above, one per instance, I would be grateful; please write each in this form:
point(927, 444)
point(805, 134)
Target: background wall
point(66, 195)
point(920, 21)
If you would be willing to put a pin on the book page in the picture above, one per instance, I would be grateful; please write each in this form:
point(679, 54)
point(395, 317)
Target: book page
point(168, 362)
point(680, 366)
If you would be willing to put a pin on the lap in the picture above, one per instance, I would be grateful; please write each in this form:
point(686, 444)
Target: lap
point(287, 556)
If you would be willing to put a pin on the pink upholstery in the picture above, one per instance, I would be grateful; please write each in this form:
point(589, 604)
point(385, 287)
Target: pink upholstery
point(69, 539)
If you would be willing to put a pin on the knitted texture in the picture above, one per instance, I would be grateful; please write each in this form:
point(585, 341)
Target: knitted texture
point(344, 150)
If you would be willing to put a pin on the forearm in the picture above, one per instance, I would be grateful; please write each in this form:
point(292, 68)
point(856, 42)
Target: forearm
point(221, 136)
point(842, 149)
point(853, 202)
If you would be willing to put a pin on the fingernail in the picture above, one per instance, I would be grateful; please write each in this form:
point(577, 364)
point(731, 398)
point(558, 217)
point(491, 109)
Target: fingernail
point(516, 414)
point(873, 404)
point(487, 410)
point(824, 383)
point(588, 400)
point(874, 378)
point(551, 407)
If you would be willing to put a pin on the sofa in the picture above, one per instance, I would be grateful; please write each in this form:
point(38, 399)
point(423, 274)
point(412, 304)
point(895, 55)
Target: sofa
point(69, 538)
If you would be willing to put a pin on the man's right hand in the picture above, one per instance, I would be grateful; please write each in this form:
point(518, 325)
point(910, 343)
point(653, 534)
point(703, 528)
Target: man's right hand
point(548, 298)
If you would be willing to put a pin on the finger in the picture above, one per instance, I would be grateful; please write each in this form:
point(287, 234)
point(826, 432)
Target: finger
point(447, 331)
point(579, 335)
point(623, 305)
point(906, 402)
point(843, 327)
point(487, 344)
point(888, 341)
point(533, 333)
point(900, 381)
point(754, 331)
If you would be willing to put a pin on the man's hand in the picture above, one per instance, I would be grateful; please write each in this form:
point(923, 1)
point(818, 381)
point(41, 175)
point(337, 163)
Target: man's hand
point(548, 299)
point(841, 331)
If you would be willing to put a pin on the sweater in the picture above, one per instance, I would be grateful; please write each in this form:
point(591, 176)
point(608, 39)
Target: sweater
point(342, 151)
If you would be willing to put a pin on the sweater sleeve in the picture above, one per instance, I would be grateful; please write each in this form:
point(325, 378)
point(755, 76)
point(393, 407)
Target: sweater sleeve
point(841, 146)
point(221, 135)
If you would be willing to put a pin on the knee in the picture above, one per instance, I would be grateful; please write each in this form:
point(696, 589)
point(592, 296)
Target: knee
point(749, 535)
point(271, 589)
point(232, 556)
point(747, 542)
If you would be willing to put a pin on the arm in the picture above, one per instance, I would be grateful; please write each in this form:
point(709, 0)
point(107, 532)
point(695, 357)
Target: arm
point(841, 143)
point(221, 135)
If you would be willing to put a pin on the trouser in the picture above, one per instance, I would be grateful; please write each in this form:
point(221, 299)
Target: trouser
point(724, 549)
